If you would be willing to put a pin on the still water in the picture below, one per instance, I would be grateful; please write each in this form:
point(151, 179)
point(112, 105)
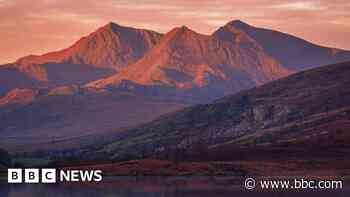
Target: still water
point(154, 187)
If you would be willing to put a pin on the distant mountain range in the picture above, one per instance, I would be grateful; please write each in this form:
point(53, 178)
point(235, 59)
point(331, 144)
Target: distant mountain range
point(121, 76)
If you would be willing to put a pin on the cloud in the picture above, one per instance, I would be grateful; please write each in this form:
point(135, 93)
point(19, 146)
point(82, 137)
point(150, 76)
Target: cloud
point(54, 15)
point(146, 7)
point(301, 5)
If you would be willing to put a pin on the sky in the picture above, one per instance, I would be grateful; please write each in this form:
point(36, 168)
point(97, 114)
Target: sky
point(35, 27)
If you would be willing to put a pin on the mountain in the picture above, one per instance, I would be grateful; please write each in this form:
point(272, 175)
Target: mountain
point(303, 112)
point(111, 46)
point(184, 59)
point(292, 52)
point(118, 77)
point(100, 54)
point(48, 75)
point(235, 57)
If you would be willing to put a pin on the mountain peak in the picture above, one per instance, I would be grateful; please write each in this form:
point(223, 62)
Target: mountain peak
point(111, 26)
point(184, 28)
point(181, 30)
point(238, 24)
point(236, 32)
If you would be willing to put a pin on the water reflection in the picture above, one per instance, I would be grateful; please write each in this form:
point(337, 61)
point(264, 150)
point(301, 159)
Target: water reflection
point(151, 187)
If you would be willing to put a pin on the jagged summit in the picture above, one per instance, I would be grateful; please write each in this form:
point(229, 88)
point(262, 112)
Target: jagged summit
point(115, 27)
point(179, 53)
point(182, 28)
point(100, 54)
point(111, 46)
point(112, 27)
point(196, 57)
point(185, 59)
point(236, 32)
point(182, 31)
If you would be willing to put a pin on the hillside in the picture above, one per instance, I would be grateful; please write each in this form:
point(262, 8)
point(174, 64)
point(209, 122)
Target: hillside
point(305, 111)
point(47, 119)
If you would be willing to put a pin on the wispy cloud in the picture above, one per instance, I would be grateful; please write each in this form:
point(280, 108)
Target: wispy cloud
point(301, 5)
point(54, 15)
point(135, 5)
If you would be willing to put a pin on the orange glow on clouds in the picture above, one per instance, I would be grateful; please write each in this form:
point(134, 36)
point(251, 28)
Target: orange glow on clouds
point(35, 27)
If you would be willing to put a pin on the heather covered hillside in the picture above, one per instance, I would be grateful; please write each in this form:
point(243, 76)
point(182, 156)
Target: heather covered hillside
point(305, 111)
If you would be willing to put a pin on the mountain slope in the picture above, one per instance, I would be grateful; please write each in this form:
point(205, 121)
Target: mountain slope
point(184, 59)
point(301, 109)
point(48, 75)
point(11, 78)
point(292, 52)
point(34, 120)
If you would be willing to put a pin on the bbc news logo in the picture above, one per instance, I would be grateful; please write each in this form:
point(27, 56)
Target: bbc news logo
point(31, 175)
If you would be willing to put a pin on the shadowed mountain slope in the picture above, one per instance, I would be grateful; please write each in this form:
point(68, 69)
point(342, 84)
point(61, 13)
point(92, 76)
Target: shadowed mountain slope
point(46, 119)
point(305, 108)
